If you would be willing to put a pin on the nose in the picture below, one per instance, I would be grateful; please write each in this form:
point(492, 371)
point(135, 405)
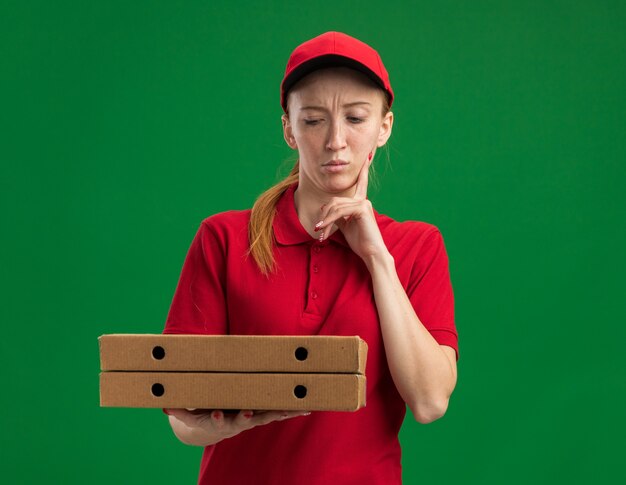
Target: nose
point(336, 137)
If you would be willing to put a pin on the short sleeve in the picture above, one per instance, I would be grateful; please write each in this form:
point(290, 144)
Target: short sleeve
point(430, 290)
point(199, 303)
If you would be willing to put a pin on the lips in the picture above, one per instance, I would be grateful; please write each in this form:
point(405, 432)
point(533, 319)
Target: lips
point(335, 167)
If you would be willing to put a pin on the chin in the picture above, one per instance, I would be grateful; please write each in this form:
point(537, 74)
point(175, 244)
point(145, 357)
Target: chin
point(337, 186)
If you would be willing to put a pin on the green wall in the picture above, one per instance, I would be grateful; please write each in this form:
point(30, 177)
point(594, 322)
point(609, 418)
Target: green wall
point(124, 124)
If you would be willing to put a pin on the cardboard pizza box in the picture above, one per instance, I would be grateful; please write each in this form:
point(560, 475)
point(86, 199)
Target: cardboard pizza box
point(233, 353)
point(233, 391)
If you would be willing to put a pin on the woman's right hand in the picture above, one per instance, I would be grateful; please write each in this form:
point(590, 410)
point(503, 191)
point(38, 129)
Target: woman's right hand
point(202, 427)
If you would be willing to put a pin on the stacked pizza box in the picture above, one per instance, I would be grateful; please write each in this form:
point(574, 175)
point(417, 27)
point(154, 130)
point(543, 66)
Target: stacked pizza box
point(233, 372)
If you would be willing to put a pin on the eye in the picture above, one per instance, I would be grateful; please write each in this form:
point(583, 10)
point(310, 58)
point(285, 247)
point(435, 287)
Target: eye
point(311, 122)
point(355, 119)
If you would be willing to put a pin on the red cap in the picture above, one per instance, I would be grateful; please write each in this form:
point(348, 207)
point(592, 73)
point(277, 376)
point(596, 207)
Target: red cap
point(333, 49)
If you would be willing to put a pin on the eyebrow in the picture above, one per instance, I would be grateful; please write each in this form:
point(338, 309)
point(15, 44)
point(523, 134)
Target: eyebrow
point(347, 105)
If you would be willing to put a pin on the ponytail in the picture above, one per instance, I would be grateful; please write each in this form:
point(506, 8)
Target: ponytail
point(260, 229)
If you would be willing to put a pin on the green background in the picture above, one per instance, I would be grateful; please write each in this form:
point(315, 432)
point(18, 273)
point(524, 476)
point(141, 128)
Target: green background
point(124, 124)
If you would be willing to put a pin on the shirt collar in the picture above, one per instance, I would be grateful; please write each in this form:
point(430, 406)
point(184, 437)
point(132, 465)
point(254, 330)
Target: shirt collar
point(287, 227)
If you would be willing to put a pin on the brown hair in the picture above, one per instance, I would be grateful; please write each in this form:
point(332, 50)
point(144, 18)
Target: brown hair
point(260, 230)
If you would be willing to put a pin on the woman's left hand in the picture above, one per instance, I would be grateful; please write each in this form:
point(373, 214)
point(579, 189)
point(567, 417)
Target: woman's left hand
point(354, 216)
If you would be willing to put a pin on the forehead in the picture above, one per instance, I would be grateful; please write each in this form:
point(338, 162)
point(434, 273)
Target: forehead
point(332, 83)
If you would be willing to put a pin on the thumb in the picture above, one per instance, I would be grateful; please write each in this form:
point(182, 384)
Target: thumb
point(180, 414)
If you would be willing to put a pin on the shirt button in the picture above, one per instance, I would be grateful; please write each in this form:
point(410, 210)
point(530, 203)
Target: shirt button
point(314, 295)
point(315, 268)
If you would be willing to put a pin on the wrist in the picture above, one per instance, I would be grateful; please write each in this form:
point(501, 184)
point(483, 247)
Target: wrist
point(380, 262)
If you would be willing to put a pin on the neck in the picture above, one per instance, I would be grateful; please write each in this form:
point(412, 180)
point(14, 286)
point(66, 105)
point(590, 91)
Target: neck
point(309, 201)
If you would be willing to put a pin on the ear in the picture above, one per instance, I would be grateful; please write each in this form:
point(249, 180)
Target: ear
point(385, 129)
point(288, 132)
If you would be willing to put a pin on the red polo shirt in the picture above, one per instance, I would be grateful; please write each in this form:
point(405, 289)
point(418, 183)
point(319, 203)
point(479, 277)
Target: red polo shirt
point(319, 289)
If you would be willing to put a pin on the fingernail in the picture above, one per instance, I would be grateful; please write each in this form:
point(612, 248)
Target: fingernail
point(321, 237)
point(319, 224)
point(248, 415)
point(307, 413)
point(167, 411)
point(217, 415)
point(369, 157)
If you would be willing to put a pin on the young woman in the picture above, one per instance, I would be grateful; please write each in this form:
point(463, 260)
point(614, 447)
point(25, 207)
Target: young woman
point(314, 257)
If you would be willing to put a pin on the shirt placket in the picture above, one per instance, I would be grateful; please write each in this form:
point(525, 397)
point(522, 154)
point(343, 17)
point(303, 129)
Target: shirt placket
point(313, 308)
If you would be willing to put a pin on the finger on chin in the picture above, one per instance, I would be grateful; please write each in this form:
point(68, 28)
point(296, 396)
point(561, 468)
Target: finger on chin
point(362, 181)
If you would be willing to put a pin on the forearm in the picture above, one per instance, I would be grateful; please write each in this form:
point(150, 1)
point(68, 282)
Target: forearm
point(420, 369)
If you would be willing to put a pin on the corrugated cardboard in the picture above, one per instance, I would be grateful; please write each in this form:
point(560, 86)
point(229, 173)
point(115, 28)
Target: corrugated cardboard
point(217, 390)
point(233, 353)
